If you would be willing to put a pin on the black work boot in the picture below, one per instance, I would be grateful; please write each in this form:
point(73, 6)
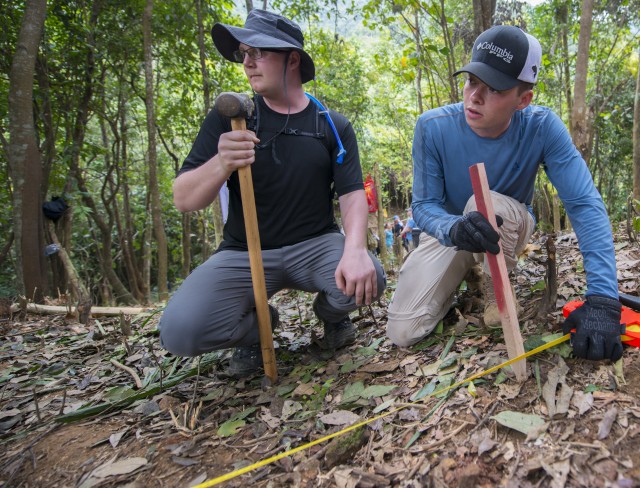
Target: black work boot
point(336, 334)
point(247, 360)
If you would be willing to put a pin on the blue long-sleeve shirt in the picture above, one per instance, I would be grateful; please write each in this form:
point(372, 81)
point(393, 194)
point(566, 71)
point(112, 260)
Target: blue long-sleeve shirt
point(444, 147)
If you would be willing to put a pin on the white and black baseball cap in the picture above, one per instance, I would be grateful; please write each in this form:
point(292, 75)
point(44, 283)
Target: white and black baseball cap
point(503, 56)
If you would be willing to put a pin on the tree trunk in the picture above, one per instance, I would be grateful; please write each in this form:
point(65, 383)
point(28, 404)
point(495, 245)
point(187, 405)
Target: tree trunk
point(216, 208)
point(580, 120)
point(156, 210)
point(140, 291)
point(544, 206)
point(417, 39)
point(25, 161)
point(78, 291)
point(451, 62)
point(46, 116)
point(636, 138)
point(384, 252)
point(563, 18)
point(186, 244)
point(483, 11)
point(206, 89)
point(146, 251)
point(103, 244)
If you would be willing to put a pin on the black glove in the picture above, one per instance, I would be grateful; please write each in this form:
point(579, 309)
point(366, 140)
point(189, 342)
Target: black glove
point(474, 233)
point(597, 329)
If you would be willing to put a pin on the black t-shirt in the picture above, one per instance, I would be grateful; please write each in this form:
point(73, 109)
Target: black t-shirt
point(293, 192)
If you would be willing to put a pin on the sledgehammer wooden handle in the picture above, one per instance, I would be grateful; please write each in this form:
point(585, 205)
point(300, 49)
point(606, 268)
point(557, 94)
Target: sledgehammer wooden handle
point(257, 268)
point(500, 275)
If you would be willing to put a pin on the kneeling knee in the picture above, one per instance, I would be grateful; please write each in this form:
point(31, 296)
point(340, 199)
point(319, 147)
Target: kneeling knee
point(408, 333)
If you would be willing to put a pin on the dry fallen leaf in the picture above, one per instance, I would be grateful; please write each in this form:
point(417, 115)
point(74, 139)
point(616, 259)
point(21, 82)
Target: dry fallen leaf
point(604, 427)
point(557, 400)
point(559, 472)
point(582, 401)
point(339, 417)
point(111, 468)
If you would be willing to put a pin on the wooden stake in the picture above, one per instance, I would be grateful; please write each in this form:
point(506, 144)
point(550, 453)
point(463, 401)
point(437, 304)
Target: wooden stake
point(500, 275)
point(257, 268)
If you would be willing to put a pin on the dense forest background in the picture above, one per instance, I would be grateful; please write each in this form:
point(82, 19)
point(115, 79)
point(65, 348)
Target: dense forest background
point(101, 100)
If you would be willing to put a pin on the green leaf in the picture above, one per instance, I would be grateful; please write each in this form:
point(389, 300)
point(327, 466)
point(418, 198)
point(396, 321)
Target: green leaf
point(467, 353)
point(447, 348)
point(445, 382)
point(450, 361)
point(522, 422)
point(366, 351)
point(243, 414)
point(539, 285)
point(230, 427)
point(590, 388)
point(376, 391)
point(284, 390)
point(213, 395)
point(533, 341)
point(352, 392)
point(118, 393)
point(384, 405)
point(370, 350)
point(564, 349)
point(424, 391)
point(500, 378)
point(351, 365)
point(421, 346)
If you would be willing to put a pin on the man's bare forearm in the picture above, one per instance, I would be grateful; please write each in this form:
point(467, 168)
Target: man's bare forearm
point(196, 189)
point(354, 210)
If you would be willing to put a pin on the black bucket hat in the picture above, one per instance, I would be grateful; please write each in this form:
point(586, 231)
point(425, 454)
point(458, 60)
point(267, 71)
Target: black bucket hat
point(265, 30)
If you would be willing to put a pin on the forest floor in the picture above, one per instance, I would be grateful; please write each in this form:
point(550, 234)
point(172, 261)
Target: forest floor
point(68, 415)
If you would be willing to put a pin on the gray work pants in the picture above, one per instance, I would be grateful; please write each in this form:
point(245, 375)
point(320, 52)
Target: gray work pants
point(214, 307)
point(432, 273)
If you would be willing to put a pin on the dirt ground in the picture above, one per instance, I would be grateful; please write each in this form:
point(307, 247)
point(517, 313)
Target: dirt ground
point(90, 405)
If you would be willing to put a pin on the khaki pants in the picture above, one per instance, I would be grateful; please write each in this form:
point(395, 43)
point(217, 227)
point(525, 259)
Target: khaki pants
point(432, 273)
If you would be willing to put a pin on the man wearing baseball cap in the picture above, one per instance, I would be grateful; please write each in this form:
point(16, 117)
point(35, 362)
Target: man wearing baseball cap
point(301, 156)
point(496, 124)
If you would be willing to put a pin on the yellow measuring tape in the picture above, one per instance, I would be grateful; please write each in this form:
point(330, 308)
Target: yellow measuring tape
point(290, 452)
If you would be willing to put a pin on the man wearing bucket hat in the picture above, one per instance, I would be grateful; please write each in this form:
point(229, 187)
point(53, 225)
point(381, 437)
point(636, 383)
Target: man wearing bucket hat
point(496, 124)
point(301, 156)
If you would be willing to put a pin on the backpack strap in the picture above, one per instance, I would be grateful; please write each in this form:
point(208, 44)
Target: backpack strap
point(253, 124)
point(342, 151)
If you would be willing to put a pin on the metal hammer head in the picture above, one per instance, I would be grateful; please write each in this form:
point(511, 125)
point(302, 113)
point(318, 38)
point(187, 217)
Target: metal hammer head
point(234, 105)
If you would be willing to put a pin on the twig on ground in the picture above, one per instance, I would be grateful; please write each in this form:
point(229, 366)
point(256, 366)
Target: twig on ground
point(255, 441)
point(442, 441)
point(64, 401)
point(416, 467)
point(486, 417)
point(129, 370)
point(35, 402)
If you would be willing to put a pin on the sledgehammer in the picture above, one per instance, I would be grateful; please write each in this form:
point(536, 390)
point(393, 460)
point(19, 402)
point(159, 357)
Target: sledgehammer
point(238, 107)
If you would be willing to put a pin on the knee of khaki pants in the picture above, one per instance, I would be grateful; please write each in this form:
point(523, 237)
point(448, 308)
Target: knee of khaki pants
point(425, 290)
point(405, 332)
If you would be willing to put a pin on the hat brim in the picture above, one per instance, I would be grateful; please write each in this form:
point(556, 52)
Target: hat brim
point(489, 76)
point(227, 39)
